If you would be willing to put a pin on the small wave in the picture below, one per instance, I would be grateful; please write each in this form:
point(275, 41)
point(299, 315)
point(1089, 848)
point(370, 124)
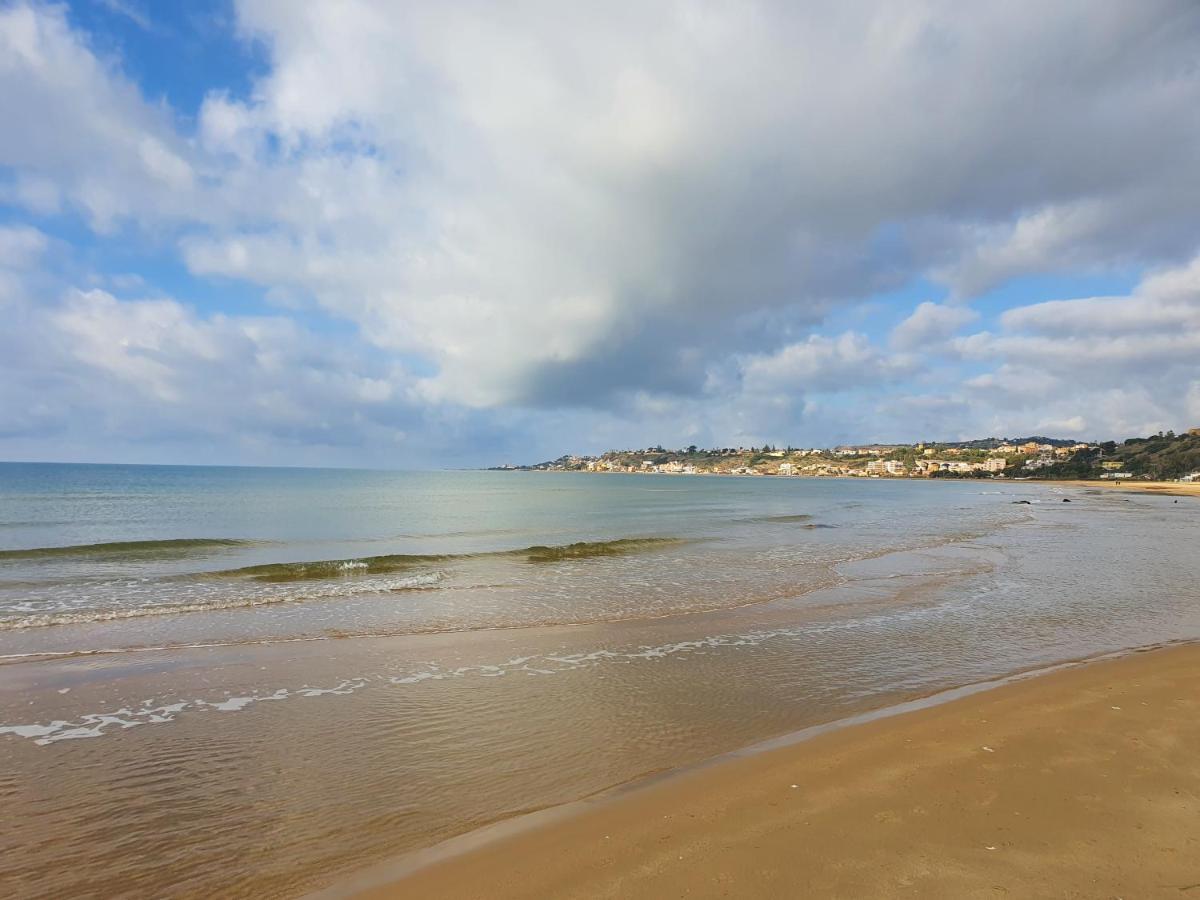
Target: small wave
point(83, 617)
point(777, 520)
point(592, 549)
point(398, 562)
point(128, 549)
point(276, 573)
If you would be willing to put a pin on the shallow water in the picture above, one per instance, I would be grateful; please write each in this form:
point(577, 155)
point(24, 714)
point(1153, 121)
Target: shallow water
point(289, 729)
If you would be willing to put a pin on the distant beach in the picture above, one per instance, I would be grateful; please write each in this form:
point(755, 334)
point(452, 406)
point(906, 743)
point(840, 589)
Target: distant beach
point(1170, 488)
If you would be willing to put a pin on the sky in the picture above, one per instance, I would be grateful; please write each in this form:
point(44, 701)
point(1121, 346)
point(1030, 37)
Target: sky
point(463, 233)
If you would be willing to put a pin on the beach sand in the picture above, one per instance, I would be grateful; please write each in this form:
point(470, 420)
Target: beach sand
point(1084, 782)
point(1171, 488)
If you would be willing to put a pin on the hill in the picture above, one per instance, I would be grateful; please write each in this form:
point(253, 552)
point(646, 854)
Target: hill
point(1161, 457)
point(992, 443)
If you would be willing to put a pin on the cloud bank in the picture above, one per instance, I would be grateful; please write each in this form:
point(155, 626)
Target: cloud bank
point(524, 225)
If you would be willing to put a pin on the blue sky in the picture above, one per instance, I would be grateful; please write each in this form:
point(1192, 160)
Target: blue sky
point(412, 234)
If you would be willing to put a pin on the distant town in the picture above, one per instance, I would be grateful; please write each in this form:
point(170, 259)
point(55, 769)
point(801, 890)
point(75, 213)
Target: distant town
point(1164, 456)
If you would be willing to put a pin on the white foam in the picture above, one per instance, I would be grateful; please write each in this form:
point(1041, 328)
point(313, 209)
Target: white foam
point(346, 687)
point(32, 731)
point(233, 704)
point(99, 724)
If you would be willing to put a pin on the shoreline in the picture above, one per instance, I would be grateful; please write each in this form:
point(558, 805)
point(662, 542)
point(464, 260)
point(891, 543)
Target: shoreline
point(1170, 488)
point(561, 851)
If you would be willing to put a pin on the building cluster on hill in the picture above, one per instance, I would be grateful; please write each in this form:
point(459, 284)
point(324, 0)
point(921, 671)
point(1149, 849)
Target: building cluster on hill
point(892, 461)
point(1160, 456)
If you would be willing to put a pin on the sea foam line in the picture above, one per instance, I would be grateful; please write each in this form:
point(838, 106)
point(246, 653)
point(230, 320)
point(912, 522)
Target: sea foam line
point(150, 712)
point(314, 592)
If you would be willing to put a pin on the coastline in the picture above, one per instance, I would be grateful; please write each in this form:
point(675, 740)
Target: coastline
point(1168, 488)
point(1074, 779)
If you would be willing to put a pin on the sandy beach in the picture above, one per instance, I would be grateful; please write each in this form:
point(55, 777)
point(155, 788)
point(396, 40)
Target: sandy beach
point(1170, 488)
point(1084, 782)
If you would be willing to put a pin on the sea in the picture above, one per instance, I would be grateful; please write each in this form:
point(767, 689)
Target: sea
point(256, 682)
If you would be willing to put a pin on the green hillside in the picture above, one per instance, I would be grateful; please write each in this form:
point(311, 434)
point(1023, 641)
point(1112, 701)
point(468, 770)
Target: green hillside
point(1160, 457)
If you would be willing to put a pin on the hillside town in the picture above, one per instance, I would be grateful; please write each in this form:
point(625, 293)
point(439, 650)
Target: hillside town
point(1034, 457)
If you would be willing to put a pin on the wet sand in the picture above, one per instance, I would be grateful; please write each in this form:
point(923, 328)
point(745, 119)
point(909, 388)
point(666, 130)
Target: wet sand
point(1080, 783)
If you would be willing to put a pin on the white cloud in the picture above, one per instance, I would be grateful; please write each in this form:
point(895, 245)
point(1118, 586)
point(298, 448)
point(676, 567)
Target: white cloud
point(931, 324)
point(84, 368)
point(85, 132)
point(1099, 365)
point(1153, 331)
point(128, 11)
point(821, 364)
point(21, 246)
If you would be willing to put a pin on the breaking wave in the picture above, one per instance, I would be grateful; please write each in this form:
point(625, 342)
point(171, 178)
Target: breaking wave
point(312, 570)
point(777, 520)
point(592, 549)
point(216, 604)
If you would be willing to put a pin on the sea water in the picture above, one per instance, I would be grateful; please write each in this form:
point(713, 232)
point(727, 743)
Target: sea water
point(253, 681)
